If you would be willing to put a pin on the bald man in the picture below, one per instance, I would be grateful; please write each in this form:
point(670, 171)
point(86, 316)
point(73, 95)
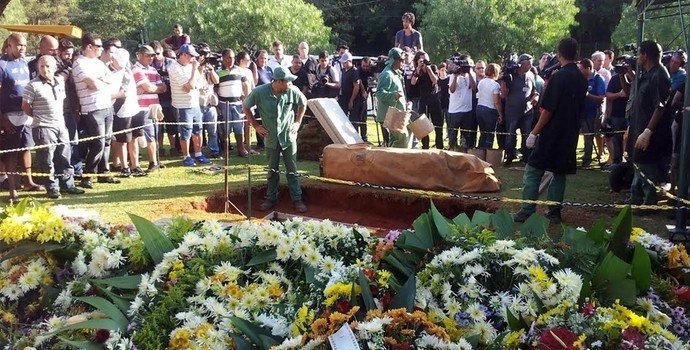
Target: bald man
point(47, 46)
point(14, 76)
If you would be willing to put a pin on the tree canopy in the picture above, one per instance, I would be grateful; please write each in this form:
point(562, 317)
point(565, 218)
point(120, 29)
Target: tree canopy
point(665, 29)
point(489, 29)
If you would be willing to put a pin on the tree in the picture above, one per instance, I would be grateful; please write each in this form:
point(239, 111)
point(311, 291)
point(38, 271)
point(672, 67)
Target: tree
point(3, 6)
point(596, 21)
point(667, 30)
point(13, 13)
point(489, 29)
point(113, 18)
point(233, 23)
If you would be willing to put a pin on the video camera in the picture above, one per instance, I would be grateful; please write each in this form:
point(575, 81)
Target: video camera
point(212, 58)
point(252, 50)
point(460, 62)
point(510, 68)
point(626, 62)
point(550, 67)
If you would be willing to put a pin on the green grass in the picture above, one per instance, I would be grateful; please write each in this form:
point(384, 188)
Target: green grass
point(178, 190)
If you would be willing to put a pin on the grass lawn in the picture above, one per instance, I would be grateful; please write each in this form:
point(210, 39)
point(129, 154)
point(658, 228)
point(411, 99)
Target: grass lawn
point(178, 190)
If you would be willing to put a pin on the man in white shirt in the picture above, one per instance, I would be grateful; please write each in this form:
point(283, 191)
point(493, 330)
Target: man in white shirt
point(93, 81)
point(279, 59)
point(184, 87)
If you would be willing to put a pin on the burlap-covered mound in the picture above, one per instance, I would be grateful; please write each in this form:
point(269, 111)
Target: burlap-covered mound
point(409, 168)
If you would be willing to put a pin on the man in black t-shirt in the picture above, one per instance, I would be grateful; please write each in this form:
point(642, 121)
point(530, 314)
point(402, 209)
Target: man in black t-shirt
point(350, 96)
point(616, 100)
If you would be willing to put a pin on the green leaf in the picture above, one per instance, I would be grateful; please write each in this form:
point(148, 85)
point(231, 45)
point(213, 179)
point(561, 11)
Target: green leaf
point(82, 344)
point(309, 273)
point(404, 263)
point(473, 340)
point(30, 247)
point(241, 343)
point(107, 308)
point(422, 238)
point(250, 330)
point(156, 243)
point(263, 257)
point(612, 268)
point(366, 292)
point(406, 295)
point(623, 290)
point(598, 232)
point(534, 227)
point(97, 323)
point(622, 228)
point(481, 218)
point(641, 269)
point(503, 223)
point(122, 303)
point(463, 221)
point(269, 341)
point(122, 282)
point(514, 323)
point(441, 222)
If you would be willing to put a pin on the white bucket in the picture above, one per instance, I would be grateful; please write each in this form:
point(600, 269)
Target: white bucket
point(421, 127)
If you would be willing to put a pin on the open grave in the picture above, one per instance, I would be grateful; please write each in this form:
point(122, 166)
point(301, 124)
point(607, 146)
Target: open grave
point(382, 210)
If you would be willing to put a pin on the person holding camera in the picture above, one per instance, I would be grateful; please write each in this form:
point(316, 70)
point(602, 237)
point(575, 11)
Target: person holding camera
point(425, 77)
point(614, 117)
point(327, 84)
point(460, 102)
point(590, 121)
point(521, 95)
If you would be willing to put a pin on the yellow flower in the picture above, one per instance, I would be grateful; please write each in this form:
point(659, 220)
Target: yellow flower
point(180, 339)
point(383, 278)
point(513, 339)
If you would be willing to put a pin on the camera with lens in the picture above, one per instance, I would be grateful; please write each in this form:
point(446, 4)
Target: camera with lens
point(510, 68)
point(426, 62)
point(209, 57)
point(551, 66)
point(461, 63)
point(625, 63)
point(630, 47)
point(324, 80)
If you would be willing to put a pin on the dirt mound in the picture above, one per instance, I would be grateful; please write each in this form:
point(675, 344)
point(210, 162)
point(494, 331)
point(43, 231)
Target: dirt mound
point(311, 140)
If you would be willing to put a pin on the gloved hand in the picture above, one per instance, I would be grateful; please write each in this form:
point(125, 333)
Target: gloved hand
point(643, 140)
point(531, 139)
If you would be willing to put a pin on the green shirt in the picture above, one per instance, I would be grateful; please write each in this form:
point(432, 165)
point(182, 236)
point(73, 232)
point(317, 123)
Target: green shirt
point(389, 82)
point(276, 112)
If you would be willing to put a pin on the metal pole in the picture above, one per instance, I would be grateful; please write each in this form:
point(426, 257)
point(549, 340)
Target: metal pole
point(227, 153)
point(681, 214)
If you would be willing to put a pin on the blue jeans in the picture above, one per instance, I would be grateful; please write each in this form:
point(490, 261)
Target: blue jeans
point(524, 123)
point(530, 189)
point(210, 117)
point(290, 160)
point(191, 117)
point(98, 123)
point(487, 118)
point(589, 126)
point(457, 121)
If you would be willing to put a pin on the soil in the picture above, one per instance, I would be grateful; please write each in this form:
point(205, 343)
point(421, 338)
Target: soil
point(378, 209)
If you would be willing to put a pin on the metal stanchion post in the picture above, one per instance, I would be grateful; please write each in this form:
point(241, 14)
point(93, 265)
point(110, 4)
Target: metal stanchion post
point(226, 124)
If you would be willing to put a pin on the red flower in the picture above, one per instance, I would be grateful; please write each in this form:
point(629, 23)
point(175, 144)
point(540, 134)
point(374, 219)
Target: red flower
point(587, 309)
point(632, 339)
point(369, 273)
point(557, 339)
point(682, 292)
point(102, 335)
point(374, 290)
point(386, 300)
point(343, 306)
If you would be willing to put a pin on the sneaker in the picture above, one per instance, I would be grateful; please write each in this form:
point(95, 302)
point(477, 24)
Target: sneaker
point(53, 193)
point(521, 216)
point(554, 216)
point(86, 183)
point(108, 180)
point(216, 156)
point(152, 167)
point(125, 172)
point(300, 206)
point(267, 205)
point(139, 172)
point(73, 190)
point(202, 159)
point(189, 161)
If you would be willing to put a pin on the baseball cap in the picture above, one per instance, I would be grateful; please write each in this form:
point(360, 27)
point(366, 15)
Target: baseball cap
point(121, 56)
point(525, 57)
point(346, 57)
point(189, 49)
point(147, 49)
point(282, 73)
point(394, 54)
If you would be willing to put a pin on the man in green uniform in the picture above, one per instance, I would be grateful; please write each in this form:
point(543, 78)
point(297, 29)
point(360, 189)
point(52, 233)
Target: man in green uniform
point(390, 92)
point(275, 103)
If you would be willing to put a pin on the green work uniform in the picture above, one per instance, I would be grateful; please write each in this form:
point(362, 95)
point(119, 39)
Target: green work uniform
point(389, 82)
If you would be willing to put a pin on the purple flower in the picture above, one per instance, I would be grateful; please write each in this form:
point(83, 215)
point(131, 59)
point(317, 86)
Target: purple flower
point(392, 236)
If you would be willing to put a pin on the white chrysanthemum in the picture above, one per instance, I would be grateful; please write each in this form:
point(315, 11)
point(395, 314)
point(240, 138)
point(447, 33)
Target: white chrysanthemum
point(487, 333)
point(229, 271)
point(290, 343)
point(79, 265)
point(27, 282)
point(134, 306)
point(475, 312)
point(283, 251)
point(64, 299)
point(475, 270)
point(313, 258)
point(279, 326)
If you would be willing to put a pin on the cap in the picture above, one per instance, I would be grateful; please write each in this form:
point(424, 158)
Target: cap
point(147, 49)
point(189, 49)
point(525, 57)
point(345, 57)
point(282, 73)
point(394, 54)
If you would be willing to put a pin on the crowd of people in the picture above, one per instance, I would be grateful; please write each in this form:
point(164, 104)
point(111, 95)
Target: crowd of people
point(90, 111)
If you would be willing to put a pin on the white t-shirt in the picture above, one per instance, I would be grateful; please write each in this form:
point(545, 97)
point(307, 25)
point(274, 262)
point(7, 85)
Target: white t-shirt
point(486, 89)
point(90, 100)
point(461, 100)
point(130, 107)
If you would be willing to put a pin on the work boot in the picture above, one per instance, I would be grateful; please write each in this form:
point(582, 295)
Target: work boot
point(300, 206)
point(267, 205)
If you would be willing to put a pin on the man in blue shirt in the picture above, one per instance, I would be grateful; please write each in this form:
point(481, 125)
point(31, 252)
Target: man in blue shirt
point(591, 122)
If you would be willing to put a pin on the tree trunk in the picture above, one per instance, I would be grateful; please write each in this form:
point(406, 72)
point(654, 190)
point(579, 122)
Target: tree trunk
point(3, 5)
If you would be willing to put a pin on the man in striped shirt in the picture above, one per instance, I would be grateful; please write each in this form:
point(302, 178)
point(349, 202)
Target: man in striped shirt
point(93, 81)
point(149, 85)
point(233, 86)
point(184, 86)
point(43, 100)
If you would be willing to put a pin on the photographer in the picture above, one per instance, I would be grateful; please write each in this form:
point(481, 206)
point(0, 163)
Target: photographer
point(208, 100)
point(614, 120)
point(327, 83)
point(425, 77)
point(590, 122)
point(520, 91)
point(462, 83)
